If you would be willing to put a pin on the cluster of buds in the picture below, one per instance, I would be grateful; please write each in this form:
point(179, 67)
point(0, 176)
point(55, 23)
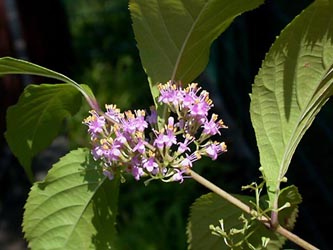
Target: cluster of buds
point(133, 142)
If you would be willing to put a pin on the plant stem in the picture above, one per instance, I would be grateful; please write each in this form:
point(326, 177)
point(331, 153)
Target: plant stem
point(238, 203)
point(274, 213)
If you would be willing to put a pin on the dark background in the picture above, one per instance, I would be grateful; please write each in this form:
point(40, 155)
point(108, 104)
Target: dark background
point(92, 42)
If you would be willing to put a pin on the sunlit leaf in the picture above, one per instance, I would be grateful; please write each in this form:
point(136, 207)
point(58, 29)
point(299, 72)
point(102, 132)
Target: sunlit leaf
point(73, 208)
point(34, 122)
point(174, 37)
point(294, 82)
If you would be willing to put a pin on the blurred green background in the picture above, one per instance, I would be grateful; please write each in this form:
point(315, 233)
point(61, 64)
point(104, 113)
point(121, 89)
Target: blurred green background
point(99, 49)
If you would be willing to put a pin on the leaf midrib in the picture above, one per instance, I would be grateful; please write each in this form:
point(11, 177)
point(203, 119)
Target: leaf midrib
point(182, 49)
point(84, 209)
point(302, 115)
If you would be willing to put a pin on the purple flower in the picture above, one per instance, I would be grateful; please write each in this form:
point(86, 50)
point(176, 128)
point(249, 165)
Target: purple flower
point(119, 139)
point(201, 105)
point(183, 146)
point(199, 108)
point(140, 147)
point(108, 174)
point(128, 124)
point(139, 122)
point(178, 176)
point(167, 139)
point(212, 127)
point(100, 150)
point(95, 123)
point(97, 152)
point(188, 101)
point(170, 137)
point(133, 123)
point(214, 149)
point(150, 165)
point(170, 94)
point(187, 162)
point(112, 153)
point(159, 141)
point(189, 95)
point(113, 113)
point(152, 118)
point(137, 172)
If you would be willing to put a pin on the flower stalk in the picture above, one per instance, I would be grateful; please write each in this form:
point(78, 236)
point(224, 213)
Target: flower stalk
point(136, 143)
point(263, 219)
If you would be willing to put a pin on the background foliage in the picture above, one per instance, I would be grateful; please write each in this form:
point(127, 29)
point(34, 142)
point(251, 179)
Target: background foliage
point(234, 61)
point(107, 59)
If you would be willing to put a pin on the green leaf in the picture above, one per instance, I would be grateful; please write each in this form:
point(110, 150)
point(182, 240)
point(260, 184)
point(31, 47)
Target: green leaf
point(35, 120)
point(288, 216)
point(10, 65)
point(210, 208)
point(73, 208)
point(174, 37)
point(295, 81)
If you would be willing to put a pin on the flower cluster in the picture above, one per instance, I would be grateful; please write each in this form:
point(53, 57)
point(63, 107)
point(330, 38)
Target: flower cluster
point(135, 143)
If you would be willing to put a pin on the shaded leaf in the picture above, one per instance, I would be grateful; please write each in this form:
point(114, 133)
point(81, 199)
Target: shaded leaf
point(288, 216)
point(73, 208)
point(174, 37)
point(9, 65)
point(36, 119)
point(210, 208)
point(295, 81)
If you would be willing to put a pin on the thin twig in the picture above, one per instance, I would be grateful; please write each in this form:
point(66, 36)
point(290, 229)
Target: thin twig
point(238, 203)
